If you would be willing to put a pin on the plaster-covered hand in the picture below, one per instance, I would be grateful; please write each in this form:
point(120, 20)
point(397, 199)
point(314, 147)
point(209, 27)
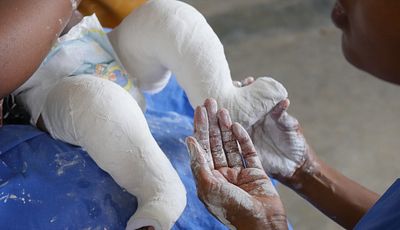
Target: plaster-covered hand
point(236, 191)
point(280, 143)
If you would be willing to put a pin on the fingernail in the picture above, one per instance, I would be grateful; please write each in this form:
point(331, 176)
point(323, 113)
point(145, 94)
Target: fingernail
point(224, 118)
point(203, 113)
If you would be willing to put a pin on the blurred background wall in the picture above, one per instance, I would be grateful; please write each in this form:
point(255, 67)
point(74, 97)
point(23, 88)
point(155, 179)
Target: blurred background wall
point(350, 118)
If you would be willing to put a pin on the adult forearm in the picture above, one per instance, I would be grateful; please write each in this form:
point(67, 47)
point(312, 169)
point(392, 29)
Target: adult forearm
point(28, 29)
point(337, 196)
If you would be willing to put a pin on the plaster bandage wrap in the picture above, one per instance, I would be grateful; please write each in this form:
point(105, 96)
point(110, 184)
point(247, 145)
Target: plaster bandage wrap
point(106, 121)
point(168, 35)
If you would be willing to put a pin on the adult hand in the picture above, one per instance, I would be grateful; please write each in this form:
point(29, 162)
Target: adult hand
point(229, 175)
point(279, 140)
point(281, 145)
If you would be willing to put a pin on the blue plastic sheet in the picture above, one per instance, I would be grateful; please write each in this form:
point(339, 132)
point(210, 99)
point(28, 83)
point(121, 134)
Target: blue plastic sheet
point(47, 184)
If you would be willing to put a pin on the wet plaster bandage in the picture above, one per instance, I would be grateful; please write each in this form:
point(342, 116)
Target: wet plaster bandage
point(164, 36)
point(108, 123)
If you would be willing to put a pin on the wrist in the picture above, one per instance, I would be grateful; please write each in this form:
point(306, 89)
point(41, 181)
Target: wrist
point(311, 167)
point(267, 215)
point(275, 222)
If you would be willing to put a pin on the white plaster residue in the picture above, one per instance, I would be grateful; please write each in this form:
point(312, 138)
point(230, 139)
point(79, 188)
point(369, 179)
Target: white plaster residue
point(215, 202)
point(63, 163)
point(53, 219)
point(24, 167)
point(3, 184)
point(220, 213)
point(7, 197)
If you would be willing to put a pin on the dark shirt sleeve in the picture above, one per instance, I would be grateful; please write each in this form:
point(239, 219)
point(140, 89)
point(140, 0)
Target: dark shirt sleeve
point(385, 214)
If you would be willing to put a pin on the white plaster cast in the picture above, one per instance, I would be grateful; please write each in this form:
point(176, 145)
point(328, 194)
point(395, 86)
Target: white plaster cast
point(105, 120)
point(164, 35)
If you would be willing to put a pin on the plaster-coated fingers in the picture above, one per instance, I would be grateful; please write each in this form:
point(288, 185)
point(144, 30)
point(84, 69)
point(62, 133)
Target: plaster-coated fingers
point(204, 176)
point(198, 157)
point(281, 107)
point(237, 84)
point(247, 81)
point(201, 132)
point(231, 146)
point(217, 149)
point(284, 121)
point(248, 150)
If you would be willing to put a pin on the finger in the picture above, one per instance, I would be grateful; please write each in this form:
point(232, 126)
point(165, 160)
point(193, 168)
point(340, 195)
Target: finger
point(198, 159)
point(237, 84)
point(287, 123)
point(201, 132)
point(284, 121)
point(217, 151)
point(230, 144)
point(247, 81)
point(280, 108)
point(204, 177)
point(248, 151)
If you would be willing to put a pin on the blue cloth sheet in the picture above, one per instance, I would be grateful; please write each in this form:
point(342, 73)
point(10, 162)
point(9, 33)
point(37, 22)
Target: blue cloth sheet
point(385, 214)
point(47, 184)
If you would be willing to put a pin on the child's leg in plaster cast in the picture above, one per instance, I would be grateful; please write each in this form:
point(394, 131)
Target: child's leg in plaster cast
point(104, 119)
point(165, 35)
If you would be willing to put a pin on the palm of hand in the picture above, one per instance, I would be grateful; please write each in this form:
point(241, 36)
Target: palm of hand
point(241, 192)
point(229, 175)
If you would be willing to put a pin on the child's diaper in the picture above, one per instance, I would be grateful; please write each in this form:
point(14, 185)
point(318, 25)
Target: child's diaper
point(84, 50)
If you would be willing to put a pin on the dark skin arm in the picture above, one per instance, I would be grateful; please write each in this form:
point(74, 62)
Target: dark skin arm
point(28, 29)
point(340, 198)
point(337, 196)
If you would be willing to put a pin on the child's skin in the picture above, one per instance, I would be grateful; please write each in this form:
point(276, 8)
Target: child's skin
point(16, 47)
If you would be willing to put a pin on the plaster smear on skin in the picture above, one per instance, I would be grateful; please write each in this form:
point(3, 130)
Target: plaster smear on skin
point(231, 194)
point(220, 213)
point(63, 162)
point(273, 146)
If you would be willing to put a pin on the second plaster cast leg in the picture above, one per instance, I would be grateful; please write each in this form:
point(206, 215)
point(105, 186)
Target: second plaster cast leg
point(165, 35)
point(106, 121)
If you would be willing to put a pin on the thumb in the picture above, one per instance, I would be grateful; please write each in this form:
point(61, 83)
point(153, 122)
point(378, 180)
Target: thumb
point(284, 121)
point(279, 109)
